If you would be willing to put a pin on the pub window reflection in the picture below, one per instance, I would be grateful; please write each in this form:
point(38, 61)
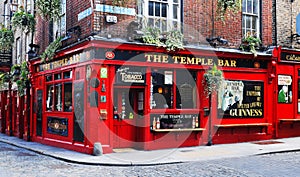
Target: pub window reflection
point(58, 97)
point(162, 89)
point(186, 89)
point(68, 97)
point(49, 103)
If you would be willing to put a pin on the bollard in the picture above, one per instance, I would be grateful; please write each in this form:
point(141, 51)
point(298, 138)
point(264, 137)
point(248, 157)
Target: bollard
point(98, 151)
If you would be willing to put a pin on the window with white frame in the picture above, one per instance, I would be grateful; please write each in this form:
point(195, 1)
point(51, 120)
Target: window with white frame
point(163, 14)
point(28, 6)
point(27, 42)
point(18, 51)
point(6, 14)
point(251, 21)
point(59, 26)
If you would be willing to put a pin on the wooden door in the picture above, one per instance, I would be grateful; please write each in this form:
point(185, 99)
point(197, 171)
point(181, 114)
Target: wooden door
point(128, 108)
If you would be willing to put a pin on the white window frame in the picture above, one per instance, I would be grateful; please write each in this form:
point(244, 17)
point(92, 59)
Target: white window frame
point(170, 17)
point(28, 6)
point(6, 14)
point(252, 15)
point(18, 51)
point(60, 26)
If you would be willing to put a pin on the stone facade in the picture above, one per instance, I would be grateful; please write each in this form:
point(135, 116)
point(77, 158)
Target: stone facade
point(286, 13)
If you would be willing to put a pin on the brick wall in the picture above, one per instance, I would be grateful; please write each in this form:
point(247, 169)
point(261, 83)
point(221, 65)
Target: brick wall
point(198, 22)
point(286, 21)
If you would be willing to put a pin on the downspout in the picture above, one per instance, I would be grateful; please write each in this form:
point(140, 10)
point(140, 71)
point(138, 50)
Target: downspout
point(292, 23)
point(9, 87)
point(275, 22)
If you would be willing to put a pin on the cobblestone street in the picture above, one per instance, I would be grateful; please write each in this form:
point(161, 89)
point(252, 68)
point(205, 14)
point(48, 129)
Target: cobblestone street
point(15, 161)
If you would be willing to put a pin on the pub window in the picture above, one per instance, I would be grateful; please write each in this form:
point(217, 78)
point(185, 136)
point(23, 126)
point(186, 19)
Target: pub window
point(48, 78)
point(169, 93)
point(68, 97)
point(57, 76)
point(186, 89)
point(68, 75)
point(59, 92)
point(285, 89)
point(58, 97)
point(49, 103)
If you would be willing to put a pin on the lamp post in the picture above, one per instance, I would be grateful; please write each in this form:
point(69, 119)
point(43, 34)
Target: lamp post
point(32, 53)
point(13, 8)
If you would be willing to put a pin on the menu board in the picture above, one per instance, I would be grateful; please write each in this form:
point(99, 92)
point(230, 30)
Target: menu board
point(174, 121)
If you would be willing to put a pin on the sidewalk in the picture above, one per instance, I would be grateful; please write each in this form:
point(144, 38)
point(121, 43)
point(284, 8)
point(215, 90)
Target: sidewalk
point(166, 156)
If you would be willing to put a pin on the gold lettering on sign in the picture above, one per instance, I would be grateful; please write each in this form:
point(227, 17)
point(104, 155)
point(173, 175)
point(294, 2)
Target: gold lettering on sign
point(186, 60)
point(292, 57)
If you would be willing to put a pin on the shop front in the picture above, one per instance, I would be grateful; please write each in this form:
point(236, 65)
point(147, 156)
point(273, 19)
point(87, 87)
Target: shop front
point(133, 96)
point(287, 93)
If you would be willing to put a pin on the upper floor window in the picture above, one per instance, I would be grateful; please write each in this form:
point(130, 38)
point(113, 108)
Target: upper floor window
point(250, 23)
point(163, 14)
point(59, 26)
point(28, 6)
point(18, 51)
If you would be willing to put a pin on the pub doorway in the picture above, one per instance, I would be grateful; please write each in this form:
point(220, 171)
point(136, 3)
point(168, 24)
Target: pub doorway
point(128, 113)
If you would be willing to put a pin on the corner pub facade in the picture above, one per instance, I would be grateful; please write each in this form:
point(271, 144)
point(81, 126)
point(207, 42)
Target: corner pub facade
point(125, 95)
point(132, 95)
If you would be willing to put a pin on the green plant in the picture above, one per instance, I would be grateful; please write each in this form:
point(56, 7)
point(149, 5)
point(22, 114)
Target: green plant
point(174, 40)
point(225, 5)
point(3, 80)
point(152, 35)
point(171, 40)
point(23, 20)
point(213, 78)
point(51, 49)
point(250, 42)
point(22, 79)
point(49, 9)
point(6, 39)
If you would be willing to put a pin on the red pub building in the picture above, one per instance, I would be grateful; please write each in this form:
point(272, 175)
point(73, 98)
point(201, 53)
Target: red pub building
point(100, 88)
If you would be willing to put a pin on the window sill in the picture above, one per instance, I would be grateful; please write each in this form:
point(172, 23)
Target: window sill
point(179, 130)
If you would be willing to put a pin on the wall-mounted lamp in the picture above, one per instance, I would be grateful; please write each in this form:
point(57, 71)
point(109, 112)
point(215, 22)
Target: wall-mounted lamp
point(33, 52)
point(295, 37)
point(215, 41)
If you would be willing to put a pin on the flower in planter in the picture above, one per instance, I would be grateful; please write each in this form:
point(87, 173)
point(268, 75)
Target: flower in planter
point(250, 43)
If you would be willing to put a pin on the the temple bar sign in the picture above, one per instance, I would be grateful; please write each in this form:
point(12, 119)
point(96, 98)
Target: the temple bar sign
point(188, 60)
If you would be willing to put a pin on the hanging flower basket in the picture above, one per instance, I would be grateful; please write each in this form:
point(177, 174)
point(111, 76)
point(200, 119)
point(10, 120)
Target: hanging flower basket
point(23, 20)
point(6, 39)
point(213, 79)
